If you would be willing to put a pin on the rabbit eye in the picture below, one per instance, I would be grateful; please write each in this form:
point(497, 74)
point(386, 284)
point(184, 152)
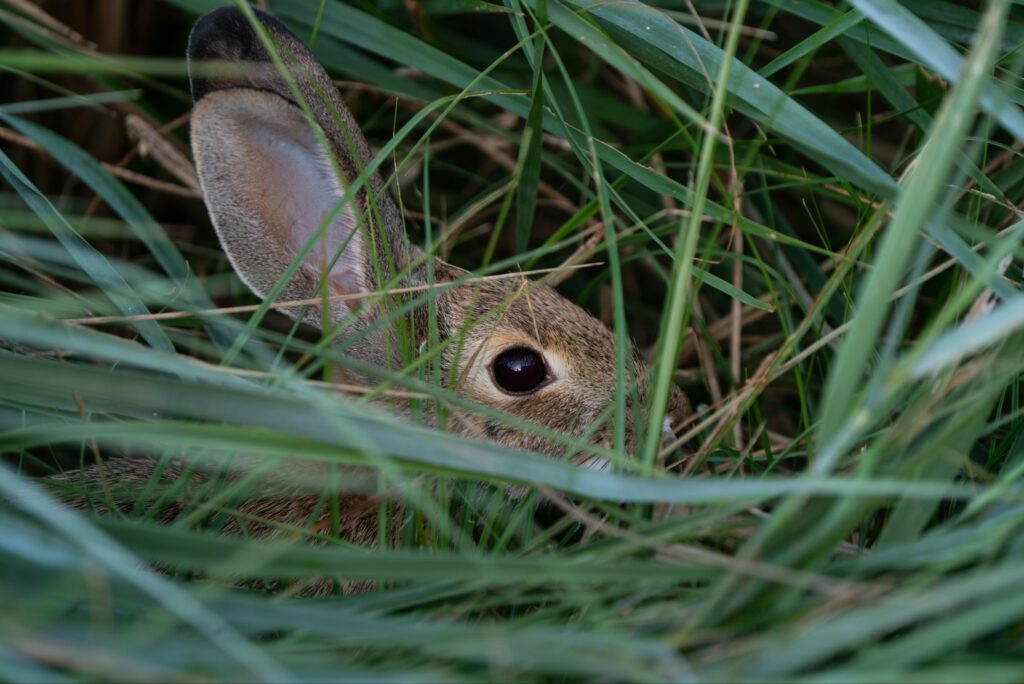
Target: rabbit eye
point(519, 370)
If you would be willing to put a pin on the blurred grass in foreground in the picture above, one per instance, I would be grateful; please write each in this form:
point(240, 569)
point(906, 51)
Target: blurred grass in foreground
point(808, 214)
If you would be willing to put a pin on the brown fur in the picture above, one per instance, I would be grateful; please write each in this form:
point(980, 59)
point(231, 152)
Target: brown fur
point(254, 216)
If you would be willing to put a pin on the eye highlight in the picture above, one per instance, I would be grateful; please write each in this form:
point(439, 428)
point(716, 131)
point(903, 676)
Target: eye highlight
point(519, 370)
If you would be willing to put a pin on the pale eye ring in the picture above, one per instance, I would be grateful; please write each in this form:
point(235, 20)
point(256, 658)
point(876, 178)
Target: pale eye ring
point(519, 370)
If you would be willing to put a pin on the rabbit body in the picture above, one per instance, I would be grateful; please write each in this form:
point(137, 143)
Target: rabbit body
point(284, 170)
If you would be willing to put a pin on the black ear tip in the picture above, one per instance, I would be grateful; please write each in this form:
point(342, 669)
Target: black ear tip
point(225, 34)
point(217, 33)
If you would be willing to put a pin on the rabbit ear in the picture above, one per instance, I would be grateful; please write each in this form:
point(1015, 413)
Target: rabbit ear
point(270, 181)
point(270, 188)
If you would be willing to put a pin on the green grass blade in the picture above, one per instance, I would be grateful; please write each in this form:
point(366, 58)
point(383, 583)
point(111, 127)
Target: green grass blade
point(835, 28)
point(664, 44)
point(917, 201)
point(681, 289)
point(922, 42)
point(117, 561)
point(343, 433)
point(88, 258)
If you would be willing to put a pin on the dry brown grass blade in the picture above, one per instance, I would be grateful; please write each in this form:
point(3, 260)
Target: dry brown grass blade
point(674, 552)
point(152, 143)
point(37, 13)
point(730, 404)
point(492, 148)
point(723, 327)
point(345, 388)
point(313, 301)
point(122, 173)
point(93, 662)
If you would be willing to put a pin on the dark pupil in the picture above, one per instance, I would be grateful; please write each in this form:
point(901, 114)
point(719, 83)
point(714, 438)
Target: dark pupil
point(519, 370)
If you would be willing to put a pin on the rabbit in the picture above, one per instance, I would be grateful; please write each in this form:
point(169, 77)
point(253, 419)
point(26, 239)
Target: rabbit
point(269, 183)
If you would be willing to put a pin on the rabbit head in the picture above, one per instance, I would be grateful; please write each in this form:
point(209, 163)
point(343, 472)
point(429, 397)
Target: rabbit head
point(286, 175)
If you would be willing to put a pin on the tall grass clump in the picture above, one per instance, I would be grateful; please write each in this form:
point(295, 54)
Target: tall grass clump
point(805, 214)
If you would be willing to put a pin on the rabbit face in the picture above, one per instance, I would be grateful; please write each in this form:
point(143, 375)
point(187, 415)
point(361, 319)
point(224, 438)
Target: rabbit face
point(543, 359)
point(284, 170)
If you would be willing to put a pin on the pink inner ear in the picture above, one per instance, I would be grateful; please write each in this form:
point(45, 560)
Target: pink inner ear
point(292, 188)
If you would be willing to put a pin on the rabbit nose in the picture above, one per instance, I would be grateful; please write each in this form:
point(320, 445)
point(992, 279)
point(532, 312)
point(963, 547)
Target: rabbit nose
point(668, 432)
point(677, 411)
